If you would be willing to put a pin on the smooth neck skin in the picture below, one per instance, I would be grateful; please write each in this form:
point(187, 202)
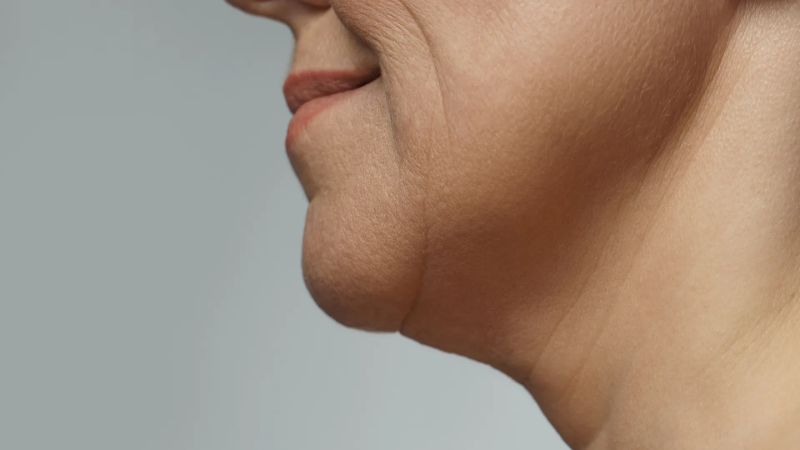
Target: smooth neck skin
point(684, 329)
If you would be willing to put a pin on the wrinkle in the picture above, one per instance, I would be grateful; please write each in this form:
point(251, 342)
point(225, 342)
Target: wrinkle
point(427, 174)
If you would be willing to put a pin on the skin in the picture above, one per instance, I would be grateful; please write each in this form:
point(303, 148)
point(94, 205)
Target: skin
point(601, 199)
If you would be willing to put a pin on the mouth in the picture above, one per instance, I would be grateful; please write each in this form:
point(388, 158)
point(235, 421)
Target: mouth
point(301, 88)
point(309, 93)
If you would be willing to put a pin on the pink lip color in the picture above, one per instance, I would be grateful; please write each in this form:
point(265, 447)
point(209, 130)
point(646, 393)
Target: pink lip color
point(308, 111)
point(310, 93)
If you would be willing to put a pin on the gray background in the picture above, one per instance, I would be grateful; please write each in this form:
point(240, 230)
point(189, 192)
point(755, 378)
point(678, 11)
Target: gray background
point(150, 228)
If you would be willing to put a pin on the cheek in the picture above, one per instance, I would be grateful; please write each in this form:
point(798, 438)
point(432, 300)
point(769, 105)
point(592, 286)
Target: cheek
point(533, 131)
point(567, 92)
point(472, 84)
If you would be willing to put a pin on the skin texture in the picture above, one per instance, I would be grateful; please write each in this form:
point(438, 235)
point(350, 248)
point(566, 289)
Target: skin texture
point(598, 198)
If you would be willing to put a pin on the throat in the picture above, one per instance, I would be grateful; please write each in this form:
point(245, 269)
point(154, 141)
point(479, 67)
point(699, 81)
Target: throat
point(684, 324)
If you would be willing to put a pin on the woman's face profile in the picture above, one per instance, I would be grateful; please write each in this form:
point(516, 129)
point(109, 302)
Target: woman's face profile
point(483, 137)
point(598, 198)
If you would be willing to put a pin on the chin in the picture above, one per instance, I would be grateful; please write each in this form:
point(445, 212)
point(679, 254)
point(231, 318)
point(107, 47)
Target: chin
point(363, 270)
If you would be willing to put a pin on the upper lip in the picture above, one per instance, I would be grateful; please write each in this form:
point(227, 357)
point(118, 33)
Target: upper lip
point(302, 87)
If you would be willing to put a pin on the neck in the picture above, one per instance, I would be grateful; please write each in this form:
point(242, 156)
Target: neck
point(700, 343)
point(678, 324)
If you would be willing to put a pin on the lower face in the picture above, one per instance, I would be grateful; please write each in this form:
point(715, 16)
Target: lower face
point(493, 129)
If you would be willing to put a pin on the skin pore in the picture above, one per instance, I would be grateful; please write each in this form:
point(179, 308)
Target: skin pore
point(600, 199)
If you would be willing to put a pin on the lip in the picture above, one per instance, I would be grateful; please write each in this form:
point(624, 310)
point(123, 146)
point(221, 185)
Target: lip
point(309, 93)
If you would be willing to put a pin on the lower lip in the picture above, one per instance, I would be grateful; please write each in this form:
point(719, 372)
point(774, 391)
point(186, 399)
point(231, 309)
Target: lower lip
point(308, 111)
